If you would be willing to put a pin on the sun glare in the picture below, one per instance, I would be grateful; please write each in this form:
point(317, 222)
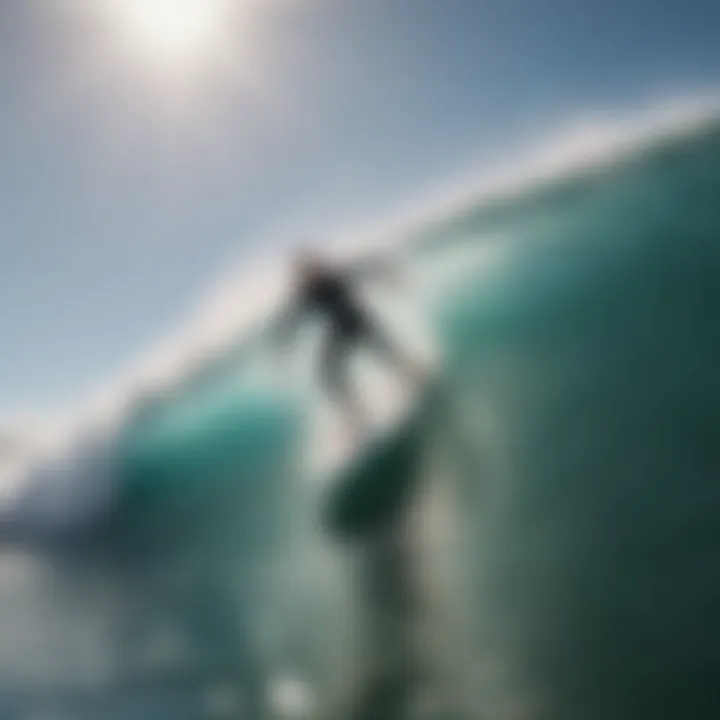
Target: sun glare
point(171, 33)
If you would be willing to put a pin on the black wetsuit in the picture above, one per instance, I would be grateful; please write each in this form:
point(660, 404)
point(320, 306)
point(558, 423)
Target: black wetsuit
point(332, 295)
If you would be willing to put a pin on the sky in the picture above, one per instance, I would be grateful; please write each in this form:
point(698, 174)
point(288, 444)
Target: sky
point(137, 166)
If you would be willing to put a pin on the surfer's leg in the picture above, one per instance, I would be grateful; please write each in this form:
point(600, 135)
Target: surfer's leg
point(390, 352)
point(336, 381)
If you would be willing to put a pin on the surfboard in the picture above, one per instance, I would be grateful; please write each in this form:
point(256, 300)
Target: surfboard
point(372, 488)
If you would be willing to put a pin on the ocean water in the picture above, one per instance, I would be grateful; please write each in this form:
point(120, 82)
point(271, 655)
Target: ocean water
point(571, 441)
point(589, 349)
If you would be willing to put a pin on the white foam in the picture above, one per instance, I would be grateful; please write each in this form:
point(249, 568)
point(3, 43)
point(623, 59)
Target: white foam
point(290, 698)
point(589, 139)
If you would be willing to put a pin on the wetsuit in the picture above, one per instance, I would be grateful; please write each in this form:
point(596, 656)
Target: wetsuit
point(332, 295)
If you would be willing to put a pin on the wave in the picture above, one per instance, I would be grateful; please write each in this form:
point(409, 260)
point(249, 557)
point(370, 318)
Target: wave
point(229, 325)
point(574, 441)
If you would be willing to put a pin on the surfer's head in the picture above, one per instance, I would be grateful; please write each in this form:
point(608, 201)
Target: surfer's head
point(308, 264)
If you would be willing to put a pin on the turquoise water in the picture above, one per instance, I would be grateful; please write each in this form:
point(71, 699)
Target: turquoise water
point(590, 350)
point(577, 419)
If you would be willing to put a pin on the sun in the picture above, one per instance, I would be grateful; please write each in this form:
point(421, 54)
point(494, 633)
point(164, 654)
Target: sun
point(173, 27)
point(170, 33)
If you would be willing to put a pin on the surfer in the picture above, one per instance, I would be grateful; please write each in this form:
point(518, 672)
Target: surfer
point(331, 293)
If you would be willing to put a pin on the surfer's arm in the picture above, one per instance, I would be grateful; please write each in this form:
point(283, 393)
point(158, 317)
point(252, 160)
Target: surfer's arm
point(380, 267)
point(283, 327)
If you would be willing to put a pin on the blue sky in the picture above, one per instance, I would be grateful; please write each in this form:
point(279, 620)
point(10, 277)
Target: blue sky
point(122, 202)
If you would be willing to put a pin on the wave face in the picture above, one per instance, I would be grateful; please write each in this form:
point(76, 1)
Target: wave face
point(576, 440)
point(585, 358)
